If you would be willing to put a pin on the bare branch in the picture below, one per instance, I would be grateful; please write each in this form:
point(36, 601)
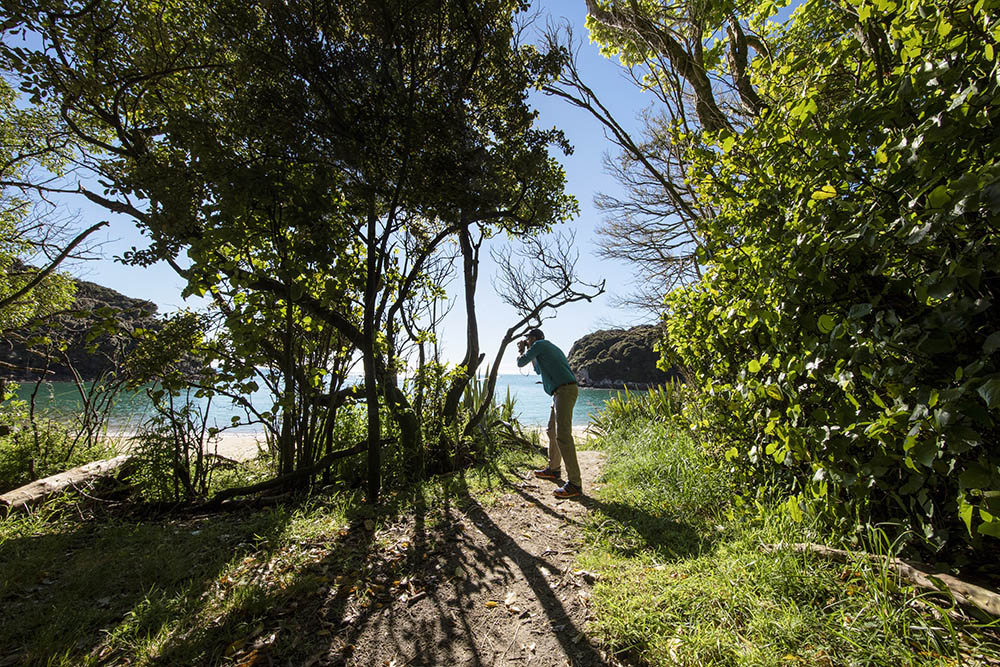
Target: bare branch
point(45, 272)
point(536, 279)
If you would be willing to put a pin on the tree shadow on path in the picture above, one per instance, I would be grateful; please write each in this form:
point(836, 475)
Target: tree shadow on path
point(496, 591)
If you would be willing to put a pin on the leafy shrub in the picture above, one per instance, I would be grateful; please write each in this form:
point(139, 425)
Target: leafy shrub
point(33, 446)
point(173, 451)
point(845, 336)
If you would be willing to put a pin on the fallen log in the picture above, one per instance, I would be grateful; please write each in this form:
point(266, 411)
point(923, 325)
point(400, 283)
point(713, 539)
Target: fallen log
point(912, 572)
point(216, 501)
point(41, 490)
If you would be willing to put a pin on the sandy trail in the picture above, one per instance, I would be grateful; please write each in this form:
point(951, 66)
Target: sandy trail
point(479, 581)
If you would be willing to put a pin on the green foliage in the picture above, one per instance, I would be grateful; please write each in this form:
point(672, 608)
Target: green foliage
point(844, 336)
point(666, 474)
point(624, 409)
point(160, 353)
point(683, 578)
point(36, 446)
point(172, 450)
point(495, 431)
point(23, 148)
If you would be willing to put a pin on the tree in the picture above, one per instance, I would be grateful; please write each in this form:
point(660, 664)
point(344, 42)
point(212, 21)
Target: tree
point(536, 279)
point(695, 61)
point(30, 230)
point(844, 330)
point(308, 160)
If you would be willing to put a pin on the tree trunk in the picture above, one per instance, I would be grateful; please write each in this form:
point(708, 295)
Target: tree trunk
point(42, 489)
point(909, 571)
point(286, 445)
point(472, 359)
point(368, 360)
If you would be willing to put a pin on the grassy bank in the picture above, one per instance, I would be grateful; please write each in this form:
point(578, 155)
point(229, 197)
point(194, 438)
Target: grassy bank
point(684, 576)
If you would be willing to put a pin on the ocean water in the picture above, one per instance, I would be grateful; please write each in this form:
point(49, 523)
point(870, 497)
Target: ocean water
point(532, 404)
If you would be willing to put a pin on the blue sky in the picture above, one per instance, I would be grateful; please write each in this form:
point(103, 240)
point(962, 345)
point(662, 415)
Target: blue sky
point(585, 178)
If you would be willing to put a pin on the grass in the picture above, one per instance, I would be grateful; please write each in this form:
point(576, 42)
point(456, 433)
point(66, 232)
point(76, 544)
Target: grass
point(684, 578)
point(79, 589)
point(683, 575)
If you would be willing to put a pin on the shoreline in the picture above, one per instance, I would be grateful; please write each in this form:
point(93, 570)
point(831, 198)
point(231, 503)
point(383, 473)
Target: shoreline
point(243, 446)
point(239, 446)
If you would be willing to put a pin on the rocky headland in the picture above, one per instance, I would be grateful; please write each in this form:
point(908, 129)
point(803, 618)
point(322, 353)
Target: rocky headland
point(90, 338)
point(619, 359)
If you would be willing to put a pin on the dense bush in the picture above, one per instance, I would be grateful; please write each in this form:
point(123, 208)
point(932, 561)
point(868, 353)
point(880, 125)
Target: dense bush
point(846, 332)
point(35, 446)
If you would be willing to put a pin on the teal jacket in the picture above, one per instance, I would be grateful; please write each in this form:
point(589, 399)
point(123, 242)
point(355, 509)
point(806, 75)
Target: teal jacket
point(549, 362)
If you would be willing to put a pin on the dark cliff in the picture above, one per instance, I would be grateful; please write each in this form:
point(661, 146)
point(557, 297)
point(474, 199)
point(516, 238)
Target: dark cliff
point(92, 337)
point(619, 358)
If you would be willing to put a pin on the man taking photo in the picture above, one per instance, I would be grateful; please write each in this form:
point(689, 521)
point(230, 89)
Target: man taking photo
point(559, 382)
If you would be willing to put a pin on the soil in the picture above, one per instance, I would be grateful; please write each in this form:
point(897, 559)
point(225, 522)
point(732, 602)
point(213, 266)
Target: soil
point(488, 582)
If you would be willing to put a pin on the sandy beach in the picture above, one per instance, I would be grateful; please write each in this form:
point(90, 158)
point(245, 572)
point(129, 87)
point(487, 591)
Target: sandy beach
point(245, 446)
point(237, 446)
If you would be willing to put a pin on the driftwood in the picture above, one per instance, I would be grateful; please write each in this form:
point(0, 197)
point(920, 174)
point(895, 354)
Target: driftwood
point(43, 489)
point(912, 572)
point(40, 490)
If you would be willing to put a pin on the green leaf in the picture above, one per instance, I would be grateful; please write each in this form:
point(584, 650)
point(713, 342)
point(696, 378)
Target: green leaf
point(965, 513)
point(753, 366)
point(992, 343)
point(826, 323)
point(975, 477)
point(859, 310)
point(939, 196)
point(775, 392)
point(912, 485)
point(925, 453)
point(825, 192)
point(990, 526)
point(917, 234)
point(990, 392)
point(794, 511)
point(992, 529)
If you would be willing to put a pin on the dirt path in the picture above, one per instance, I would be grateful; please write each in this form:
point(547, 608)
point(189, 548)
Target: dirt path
point(495, 585)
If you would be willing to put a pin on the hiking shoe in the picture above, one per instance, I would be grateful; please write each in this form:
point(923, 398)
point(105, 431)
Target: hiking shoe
point(546, 473)
point(568, 490)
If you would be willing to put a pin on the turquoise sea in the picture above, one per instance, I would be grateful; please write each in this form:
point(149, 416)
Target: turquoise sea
point(532, 403)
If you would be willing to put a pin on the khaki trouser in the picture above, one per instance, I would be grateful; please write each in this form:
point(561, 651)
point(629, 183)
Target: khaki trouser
point(560, 432)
